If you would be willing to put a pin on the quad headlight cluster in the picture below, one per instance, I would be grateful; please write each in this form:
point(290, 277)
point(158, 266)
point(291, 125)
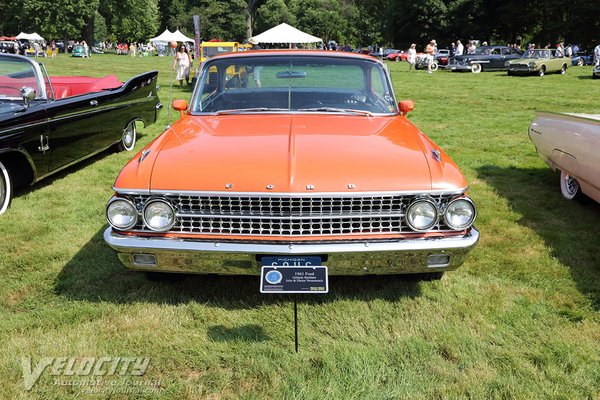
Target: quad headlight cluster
point(424, 214)
point(158, 215)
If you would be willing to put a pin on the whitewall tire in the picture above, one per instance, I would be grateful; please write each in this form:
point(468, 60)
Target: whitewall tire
point(128, 137)
point(569, 186)
point(476, 68)
point(5, 189)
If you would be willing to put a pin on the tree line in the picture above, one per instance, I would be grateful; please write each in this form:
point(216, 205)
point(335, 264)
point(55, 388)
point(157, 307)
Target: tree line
point(392, 23)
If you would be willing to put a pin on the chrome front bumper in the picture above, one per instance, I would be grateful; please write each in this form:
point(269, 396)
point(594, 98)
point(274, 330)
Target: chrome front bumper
point(347, 258)
point(458, 67)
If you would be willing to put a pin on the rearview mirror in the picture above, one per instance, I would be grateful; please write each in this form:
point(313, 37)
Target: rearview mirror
point(406, 106)
point(28, 94)
point(291, 74)
point(180, 105)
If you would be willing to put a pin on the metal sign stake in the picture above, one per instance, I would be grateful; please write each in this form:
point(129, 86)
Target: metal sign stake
point(296, 321)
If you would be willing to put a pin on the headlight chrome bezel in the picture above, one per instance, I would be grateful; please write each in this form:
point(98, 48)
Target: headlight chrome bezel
point(163, 201)
point(472, 219)
point(415, 203)
point(128, 202)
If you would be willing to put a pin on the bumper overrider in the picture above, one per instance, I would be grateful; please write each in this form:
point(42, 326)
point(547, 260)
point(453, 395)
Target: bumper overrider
point(362, 257)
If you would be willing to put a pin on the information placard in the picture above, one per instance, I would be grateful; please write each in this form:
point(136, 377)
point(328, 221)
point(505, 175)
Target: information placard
point(276, 279)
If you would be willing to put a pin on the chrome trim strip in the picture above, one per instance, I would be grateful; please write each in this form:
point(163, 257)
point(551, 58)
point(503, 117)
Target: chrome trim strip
point(175, 192)
point(288, 217)
point(123, 243)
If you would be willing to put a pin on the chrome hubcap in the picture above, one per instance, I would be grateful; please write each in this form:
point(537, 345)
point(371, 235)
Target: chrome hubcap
point(571, 185)
point(129, 135)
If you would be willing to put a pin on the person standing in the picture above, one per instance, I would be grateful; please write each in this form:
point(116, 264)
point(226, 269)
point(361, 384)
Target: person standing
point(430, 51)
point(412, 56)
point(257, 68)
point(460, 48)
point(597, 55)
point(86, 49)
point(53, 48)
point(183, 62)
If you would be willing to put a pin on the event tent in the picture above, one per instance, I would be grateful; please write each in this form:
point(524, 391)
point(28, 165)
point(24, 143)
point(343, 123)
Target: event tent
point(29, 36)
point(168, 36)
point(284, 33)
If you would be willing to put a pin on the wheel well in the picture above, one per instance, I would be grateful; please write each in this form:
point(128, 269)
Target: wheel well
point(18, 167)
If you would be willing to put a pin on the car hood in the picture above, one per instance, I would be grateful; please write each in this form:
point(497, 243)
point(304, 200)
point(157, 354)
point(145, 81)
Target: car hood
point(524, 60)
point(296, 153)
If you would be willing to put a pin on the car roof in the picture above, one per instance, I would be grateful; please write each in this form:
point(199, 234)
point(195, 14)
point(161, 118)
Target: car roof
point(317, 53)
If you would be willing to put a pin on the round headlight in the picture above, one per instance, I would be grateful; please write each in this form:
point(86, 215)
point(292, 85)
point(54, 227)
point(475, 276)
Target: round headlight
point(421, 215)
point(121, 214)
point(460, 214)
point(159, 215)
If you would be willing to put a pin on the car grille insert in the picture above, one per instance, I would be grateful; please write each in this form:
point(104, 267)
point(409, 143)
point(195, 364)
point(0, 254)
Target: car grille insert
point(289, 215)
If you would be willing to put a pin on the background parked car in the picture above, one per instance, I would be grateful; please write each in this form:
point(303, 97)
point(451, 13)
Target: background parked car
point(400, 55)
point(582, 58)
point(442, 56)
point(540, 62)
point(485, 58)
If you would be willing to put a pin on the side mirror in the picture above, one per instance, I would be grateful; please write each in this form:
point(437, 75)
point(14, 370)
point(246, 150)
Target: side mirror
point(406, 106)
point(180, 105)
point(28, 94)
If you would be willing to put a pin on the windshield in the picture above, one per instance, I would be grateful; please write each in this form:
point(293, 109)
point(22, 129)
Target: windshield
point(16, 73)
point(536, 54)
point(209, 52)
point(300, 83)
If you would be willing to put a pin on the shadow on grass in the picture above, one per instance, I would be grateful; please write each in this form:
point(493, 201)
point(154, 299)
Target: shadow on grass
point(570, 229)
point(96, 274)
point(244, 333)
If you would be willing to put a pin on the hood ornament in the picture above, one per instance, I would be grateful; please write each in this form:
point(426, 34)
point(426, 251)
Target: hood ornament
point(436, 155)
point(270, 187)
point(228, 185)
point(351, 186)
point(310, 187)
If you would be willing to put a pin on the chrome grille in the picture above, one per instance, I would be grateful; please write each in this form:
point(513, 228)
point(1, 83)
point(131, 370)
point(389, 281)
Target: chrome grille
point(281, 215)
point(519, 67)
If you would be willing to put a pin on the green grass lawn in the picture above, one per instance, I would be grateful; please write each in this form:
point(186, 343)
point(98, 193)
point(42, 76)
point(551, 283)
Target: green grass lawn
point(520, 319)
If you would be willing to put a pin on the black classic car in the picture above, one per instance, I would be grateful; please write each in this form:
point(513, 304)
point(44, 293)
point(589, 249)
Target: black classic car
point(49, 123)
point(485, 58)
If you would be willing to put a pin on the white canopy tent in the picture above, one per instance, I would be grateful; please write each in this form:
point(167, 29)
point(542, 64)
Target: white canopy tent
point(284, 33)
point(168, 36)
point(29, 36)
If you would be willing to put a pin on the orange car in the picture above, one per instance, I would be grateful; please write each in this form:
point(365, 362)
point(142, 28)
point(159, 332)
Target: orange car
point(310, 156)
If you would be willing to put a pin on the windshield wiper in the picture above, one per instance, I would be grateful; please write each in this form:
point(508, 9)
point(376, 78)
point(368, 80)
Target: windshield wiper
point(250, 110)
point(337, 110)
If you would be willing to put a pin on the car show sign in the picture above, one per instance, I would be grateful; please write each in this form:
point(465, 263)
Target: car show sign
point(303, 274)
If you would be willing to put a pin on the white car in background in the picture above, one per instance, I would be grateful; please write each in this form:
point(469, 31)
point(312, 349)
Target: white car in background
point(570, 143)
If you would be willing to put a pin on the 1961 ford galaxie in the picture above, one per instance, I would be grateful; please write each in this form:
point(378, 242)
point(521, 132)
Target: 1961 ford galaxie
point(304, 154)
point(571, 144)
point(48, 123)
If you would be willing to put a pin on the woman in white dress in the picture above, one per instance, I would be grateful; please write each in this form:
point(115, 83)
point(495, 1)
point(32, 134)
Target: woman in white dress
point(183, 62)
point(412, 56)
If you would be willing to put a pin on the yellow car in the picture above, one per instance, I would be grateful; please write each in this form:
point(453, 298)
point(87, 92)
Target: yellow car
point(210, 49)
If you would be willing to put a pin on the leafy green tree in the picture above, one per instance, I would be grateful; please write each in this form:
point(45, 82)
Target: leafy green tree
point(131, 20)
point(273, 13)
point(53, 18)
